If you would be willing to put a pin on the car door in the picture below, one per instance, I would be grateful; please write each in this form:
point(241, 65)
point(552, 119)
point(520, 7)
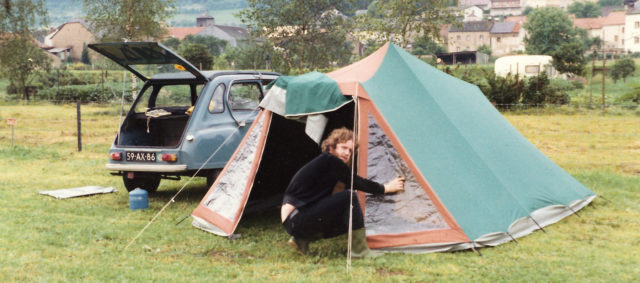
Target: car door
point(224, 114)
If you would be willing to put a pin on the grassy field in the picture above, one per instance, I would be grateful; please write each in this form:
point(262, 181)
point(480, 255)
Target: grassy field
point(82, 239)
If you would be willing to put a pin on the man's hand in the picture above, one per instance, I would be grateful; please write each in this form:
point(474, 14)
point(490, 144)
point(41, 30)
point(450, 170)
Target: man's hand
point(394, 186)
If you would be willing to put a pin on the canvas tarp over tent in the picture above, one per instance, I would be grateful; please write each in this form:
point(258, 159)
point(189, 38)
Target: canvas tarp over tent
point(472, 180)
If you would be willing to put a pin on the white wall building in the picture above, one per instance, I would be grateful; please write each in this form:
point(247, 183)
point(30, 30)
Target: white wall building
point(632, 30)
point(524, 65)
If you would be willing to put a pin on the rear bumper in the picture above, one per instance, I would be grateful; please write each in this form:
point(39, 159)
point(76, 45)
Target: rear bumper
point(146, 167)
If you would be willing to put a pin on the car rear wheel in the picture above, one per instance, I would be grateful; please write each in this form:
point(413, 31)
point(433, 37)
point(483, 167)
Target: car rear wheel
point(145, 181)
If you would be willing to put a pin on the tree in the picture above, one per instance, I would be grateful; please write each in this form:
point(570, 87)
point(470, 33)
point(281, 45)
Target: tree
point(84, 57)
point(605, 3)
point(172, 43)
point(427, 46)
point(198, 55)
point(548, 28)
point(527, 10)
point(20, 57)
point(214, 45)
point(551, 32)
point(622, 68)
point(585, 9)
point(118, 20)
point(400, 20)
point(311, 33)
point(484, 49)
point(569, 58)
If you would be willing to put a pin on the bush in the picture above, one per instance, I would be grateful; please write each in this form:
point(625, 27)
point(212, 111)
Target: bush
point(540, 90)
point(630, 97)
point(84, 93)
point(577, 84)
point(503, 91)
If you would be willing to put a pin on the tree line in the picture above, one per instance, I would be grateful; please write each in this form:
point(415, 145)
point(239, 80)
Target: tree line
point(286, 36)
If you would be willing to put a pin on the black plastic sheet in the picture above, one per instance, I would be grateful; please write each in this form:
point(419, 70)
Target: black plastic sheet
point(408, 211)
point(226, 198)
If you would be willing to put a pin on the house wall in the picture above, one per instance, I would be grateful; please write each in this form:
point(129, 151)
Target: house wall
point(473, 14)
point(73, 35)
point(632, 32)
point(506, 43)
point(220, 34)
point(613, 36)
point(467, 41)
point(506, 11)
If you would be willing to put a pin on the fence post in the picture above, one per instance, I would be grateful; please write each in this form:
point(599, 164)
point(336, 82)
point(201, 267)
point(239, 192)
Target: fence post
point(79, 126)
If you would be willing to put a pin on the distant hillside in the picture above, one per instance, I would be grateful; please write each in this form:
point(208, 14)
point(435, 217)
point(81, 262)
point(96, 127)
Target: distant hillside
point(61, 11)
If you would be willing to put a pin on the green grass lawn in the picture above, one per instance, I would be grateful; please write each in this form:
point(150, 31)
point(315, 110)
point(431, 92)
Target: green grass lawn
point(82, 239)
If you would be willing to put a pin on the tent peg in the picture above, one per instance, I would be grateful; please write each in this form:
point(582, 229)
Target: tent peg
point(604, 198)
point(536, 222)
point(183, 219)
point(473, 247)
point(234, 237)
point(574, 212)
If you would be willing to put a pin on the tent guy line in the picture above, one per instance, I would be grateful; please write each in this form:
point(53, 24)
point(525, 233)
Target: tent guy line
point(172, 200)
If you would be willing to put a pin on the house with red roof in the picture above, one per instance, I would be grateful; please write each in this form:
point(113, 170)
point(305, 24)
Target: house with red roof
point(205, 26)
point(506, 38)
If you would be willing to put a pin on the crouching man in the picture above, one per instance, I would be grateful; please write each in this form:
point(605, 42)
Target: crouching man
point(315, 205)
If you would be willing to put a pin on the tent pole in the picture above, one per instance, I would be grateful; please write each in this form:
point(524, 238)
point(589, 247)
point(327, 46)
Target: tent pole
point(512, 238)
point(353, 162)
point(536, 222)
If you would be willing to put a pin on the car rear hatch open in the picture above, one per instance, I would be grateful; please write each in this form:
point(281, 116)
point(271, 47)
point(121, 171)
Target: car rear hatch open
point(146, 59)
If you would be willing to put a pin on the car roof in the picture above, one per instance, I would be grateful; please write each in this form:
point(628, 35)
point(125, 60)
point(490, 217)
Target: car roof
point(210, 75)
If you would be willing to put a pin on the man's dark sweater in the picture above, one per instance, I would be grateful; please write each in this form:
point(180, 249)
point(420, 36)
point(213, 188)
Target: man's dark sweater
point(316, 180)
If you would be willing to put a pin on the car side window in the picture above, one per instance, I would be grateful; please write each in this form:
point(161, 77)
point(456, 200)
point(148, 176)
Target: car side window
point(215, 105)
point(143, 101)
point(244, 95)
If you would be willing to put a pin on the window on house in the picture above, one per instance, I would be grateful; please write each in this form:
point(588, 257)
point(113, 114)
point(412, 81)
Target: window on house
point(458, 37)
point(481, 37)
point(622, 41)
point(636, 40)
point(637, 24)
point(498, 39)
point(623, 30)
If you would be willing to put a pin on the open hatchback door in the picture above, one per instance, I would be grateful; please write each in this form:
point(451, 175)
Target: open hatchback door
point(183, 121)
point(145, 59)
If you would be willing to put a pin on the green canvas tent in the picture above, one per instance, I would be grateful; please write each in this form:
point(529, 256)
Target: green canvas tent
point(472, 180)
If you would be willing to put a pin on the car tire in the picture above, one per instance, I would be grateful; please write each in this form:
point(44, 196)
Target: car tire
point(211, 177)
point(145, 181)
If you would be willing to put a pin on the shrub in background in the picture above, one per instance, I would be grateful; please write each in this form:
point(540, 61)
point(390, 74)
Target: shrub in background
point(83, 93)
point(505, 92)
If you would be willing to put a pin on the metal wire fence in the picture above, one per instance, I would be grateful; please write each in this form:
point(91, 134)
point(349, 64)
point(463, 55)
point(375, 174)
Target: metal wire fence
point(575, 136)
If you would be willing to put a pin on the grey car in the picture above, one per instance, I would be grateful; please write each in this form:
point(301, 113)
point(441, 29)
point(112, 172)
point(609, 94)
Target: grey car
point(183, 121)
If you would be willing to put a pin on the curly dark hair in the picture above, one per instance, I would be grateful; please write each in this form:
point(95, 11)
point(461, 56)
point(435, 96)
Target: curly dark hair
point(337, 136)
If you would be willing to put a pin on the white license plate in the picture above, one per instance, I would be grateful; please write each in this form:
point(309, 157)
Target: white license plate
point(140, 156)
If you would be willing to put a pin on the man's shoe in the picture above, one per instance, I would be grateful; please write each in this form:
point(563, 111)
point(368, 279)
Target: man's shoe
point(301, 245)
